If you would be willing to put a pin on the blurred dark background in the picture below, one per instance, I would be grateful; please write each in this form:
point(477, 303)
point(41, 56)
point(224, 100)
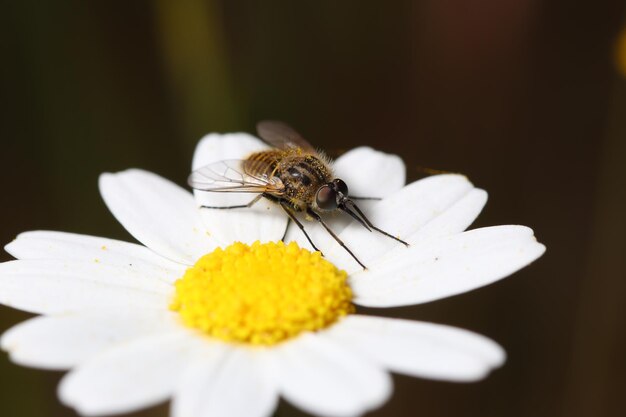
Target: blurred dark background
point(523, 96)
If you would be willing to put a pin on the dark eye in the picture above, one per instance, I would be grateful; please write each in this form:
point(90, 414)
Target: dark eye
point(341, 186)
point(326, 198)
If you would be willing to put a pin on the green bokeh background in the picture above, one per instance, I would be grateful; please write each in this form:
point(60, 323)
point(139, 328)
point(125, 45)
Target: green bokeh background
point(520, 95)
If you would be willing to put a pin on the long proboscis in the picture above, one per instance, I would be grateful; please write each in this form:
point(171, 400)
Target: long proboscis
point(348, 207)
point(355, 212)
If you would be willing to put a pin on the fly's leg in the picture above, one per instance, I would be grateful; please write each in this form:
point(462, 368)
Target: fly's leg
point(328, 229)
point(293, 217)
point(250, 204)
point(286, 229)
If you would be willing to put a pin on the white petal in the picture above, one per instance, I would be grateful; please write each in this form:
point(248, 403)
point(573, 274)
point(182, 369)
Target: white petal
point(158, 213)
point(62, 342)
point(231, 383)
point(446, 266)
point(57, 287)
point(323, 378)
point(70, 246)
point(455, 219)
point(370, 173)
point(264, 221)
point(129, 377)
point(420, 349)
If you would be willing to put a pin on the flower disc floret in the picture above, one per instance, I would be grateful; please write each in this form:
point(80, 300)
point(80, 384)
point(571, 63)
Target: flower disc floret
point(262, 294)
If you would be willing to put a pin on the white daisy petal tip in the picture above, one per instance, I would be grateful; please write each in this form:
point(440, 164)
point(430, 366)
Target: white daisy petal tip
point(83, 406)
point(11, 346)
point(491, 357)
point(90, 406)
point(86, 405)
point(19, 354)
point(10, 247)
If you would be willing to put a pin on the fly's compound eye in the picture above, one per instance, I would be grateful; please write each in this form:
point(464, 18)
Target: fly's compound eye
point(326, 198)
point(342, 187)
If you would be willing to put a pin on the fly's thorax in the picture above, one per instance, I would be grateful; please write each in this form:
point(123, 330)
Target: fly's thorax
point(303, 176)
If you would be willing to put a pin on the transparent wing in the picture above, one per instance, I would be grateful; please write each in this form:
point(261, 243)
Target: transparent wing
point(282, 136)
point(239, 176)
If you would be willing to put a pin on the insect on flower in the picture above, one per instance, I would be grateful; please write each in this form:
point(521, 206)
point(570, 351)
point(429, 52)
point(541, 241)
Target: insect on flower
point(292, 174)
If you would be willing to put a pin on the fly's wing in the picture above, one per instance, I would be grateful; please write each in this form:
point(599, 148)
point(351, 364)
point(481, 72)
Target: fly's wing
point(237, 176)
point(282, 136)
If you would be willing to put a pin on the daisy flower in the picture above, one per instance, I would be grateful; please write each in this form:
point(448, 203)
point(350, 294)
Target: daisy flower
point(216, 313)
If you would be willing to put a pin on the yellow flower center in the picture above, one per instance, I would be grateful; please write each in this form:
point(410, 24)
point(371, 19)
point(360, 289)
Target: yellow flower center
point(262, 294)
